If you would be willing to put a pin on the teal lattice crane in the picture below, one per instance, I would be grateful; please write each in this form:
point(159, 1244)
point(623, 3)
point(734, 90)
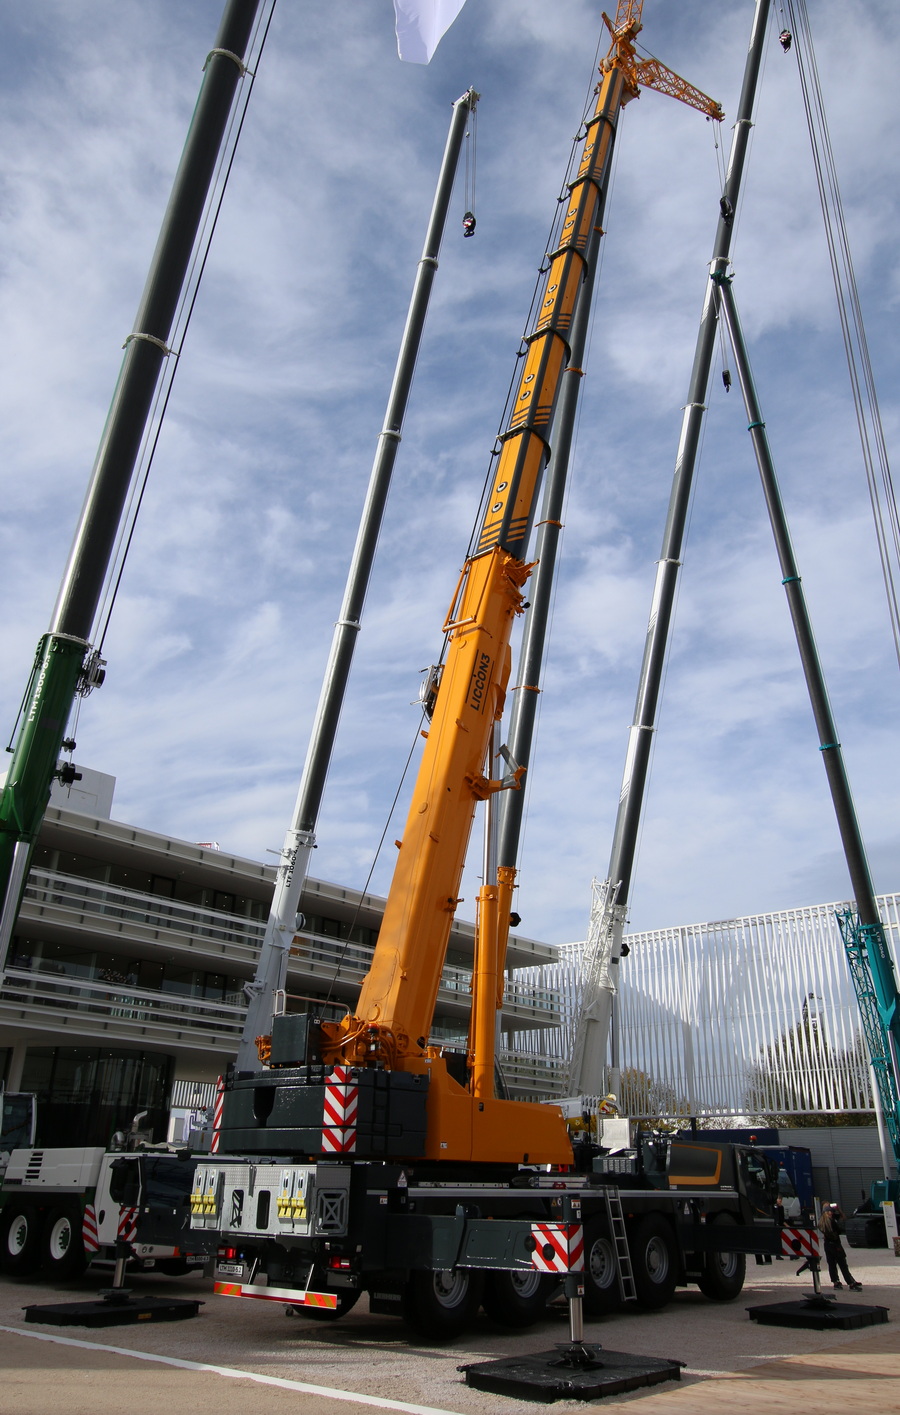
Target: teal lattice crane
point(875, 983)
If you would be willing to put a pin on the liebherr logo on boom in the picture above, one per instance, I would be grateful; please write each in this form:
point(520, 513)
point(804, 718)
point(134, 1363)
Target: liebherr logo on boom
point(36, 696)
point(480, 679)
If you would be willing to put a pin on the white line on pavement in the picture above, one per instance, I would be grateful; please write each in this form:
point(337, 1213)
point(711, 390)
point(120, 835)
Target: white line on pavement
point(377, 1400)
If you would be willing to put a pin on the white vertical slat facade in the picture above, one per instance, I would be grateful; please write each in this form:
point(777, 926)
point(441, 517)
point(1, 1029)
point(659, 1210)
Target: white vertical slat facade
point(753, 1017)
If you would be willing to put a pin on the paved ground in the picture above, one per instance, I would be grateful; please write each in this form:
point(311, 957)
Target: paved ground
point(260, 1362)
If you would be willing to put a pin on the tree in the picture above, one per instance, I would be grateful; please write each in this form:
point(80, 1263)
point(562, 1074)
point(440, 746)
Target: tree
point(648, 1100)
point(795, 1083)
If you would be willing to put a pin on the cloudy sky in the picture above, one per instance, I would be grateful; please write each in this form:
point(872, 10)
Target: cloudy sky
point(220, 634)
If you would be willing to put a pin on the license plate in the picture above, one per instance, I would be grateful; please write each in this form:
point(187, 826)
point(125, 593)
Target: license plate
point(230, 1269)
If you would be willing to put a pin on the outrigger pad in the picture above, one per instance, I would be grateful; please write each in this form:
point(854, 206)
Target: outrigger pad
point(584, 1373)
point(819, 1316)
point(114, 1314)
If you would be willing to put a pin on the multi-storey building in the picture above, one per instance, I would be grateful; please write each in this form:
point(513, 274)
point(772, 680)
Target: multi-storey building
point(123, 985)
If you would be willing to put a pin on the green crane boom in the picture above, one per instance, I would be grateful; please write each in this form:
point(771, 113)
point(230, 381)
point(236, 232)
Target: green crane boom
point(65, 665)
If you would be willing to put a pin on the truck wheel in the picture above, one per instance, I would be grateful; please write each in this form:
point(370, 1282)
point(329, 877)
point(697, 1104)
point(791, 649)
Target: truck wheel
point(440, 1305)
point(653, 1260)
point(517, 1299)
point(174, 1267)
point(723, 1273)
point(62, 1249)
point(601, 1270)
point(346, 1298)
point(20, 1238)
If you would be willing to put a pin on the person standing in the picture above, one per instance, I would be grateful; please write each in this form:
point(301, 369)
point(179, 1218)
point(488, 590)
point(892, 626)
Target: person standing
point(832, 1226)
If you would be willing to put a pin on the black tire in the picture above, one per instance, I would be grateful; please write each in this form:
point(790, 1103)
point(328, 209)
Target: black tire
point(440, 1305)
point(62, 1247)
point(653, 1259)
point(20, 1239)
point(175, 1267)
point(346, 1298)
point(723, 1273)
point(517, 1299)
point(601, 1270)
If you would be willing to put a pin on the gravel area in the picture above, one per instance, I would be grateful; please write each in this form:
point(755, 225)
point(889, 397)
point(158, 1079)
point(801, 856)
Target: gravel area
point(375, 1356)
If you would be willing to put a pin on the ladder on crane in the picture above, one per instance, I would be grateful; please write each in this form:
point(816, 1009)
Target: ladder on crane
point(624, 1270)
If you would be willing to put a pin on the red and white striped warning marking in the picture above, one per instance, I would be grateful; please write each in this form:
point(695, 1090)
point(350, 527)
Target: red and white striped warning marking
point(558, 1247)
point(127, 1226)
point(800, 1243)
point(328, 1300)
point(339, 1117)
point(217, 1114)
point(89, 1230)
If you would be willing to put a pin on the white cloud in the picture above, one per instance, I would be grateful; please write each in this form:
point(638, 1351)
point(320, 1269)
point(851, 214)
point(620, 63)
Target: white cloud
point(221, 633)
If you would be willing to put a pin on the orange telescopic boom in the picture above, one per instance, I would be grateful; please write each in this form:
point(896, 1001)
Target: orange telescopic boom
point(392, 1019)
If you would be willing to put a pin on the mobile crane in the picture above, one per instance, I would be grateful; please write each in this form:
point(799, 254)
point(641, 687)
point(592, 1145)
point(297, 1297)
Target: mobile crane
point(862, 930)
point(66, 665)
point(390, 1026)
point(865, 943)
point(371, 1160)
point(603, 945)
point(61, 1209)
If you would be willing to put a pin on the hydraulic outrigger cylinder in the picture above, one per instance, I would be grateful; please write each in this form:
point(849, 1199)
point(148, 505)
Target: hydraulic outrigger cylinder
point(65, 665)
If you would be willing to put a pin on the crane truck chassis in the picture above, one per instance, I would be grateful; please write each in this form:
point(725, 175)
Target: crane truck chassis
point(63, 1208)
point(433, 1241)
point(432, 1247)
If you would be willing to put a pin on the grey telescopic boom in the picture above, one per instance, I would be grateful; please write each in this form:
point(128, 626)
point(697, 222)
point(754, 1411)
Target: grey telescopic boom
point(300, 838)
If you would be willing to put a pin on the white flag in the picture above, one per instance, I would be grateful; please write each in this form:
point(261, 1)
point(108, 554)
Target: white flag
point(421, 25)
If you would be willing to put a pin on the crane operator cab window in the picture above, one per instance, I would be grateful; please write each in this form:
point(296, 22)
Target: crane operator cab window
point(788, 1200)
point(17, 1125)
point(654, 1159)
point(758, 1182)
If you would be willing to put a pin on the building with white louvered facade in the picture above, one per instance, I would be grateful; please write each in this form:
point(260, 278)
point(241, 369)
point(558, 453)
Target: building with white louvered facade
point(751, 1017)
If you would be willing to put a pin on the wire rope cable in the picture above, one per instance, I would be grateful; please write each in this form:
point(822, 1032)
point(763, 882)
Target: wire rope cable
point(550, 246)
point(862, 382)
point(573, 460)
point(184, 313)
point(471, 154)
point(375, 858)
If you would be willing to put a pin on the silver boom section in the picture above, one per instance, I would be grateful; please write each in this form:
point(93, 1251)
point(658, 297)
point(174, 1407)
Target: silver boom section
point(300, 838)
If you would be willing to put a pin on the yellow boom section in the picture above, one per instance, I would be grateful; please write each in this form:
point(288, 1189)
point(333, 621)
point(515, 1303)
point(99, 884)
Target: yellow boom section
point(650, 72)
point(400, 990)
point(396, 1003)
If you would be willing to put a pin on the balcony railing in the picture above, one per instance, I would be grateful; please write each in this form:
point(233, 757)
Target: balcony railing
point(100, 908)
point(67, 1004)
point(42, 1000)
point(323, 956)
point(542, 1075)
point(110, 907)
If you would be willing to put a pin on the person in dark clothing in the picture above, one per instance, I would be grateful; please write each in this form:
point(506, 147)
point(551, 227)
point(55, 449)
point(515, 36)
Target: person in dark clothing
point(832, 1226)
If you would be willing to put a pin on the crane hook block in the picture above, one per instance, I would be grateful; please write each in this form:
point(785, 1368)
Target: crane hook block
point(469, 224)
